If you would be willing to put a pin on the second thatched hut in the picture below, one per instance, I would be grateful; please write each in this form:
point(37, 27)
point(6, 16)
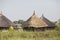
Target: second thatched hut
point(36, 23)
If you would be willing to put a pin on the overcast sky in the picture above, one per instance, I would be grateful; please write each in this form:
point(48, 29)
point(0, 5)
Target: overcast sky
point(23, 9)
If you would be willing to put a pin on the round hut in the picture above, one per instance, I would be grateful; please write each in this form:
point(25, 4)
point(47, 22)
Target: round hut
point(5, 23)
point(34, 23)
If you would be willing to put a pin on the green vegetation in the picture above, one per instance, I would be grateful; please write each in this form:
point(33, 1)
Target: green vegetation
point(58, 27)
point(25, 35)
point(18, 22)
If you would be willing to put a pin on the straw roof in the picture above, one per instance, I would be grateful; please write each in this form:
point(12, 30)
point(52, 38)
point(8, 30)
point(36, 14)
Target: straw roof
point(34, 21)
point(4, 21)
point(48, 22)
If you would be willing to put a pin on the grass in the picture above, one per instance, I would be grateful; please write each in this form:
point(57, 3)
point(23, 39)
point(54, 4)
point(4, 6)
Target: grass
point(25, 35)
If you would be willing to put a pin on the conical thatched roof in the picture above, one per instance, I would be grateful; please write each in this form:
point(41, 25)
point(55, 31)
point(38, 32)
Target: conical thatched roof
point(4, 21)
point(34, 21)
point(48, 22)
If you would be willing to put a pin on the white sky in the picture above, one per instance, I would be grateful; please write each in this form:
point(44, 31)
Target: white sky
point(23, 9)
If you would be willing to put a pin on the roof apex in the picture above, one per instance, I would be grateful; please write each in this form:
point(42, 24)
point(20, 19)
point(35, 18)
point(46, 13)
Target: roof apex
point(0, 12)
point(34, 12)
point(42, 15)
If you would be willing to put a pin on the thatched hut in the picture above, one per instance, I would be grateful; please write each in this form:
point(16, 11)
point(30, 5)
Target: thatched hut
point(5, 23)
point(33, 23)
point(36, 23)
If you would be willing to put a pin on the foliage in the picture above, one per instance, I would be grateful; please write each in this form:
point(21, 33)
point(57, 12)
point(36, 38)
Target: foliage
point(25, 35)
point(18, 22)
point(11, 28)
point(58, 27)
point(30, 35)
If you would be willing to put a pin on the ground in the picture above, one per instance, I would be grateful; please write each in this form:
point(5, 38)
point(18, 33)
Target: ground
point(30, 35)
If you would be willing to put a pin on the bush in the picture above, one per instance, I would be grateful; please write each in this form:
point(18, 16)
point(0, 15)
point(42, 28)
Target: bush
point(58, 27)
point(11, 28)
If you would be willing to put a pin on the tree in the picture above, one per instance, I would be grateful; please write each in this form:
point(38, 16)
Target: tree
point(20, 21)
point(16, 22)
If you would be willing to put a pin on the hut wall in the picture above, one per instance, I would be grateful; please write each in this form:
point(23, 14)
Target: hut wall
point(1, 28)
point(39, 28)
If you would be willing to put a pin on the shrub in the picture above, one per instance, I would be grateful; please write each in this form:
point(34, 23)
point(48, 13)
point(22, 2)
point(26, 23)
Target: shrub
point(11, 28)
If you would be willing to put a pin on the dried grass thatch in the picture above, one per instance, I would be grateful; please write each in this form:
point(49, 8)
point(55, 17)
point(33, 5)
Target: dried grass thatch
point(4, 21)
point(34, 21)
